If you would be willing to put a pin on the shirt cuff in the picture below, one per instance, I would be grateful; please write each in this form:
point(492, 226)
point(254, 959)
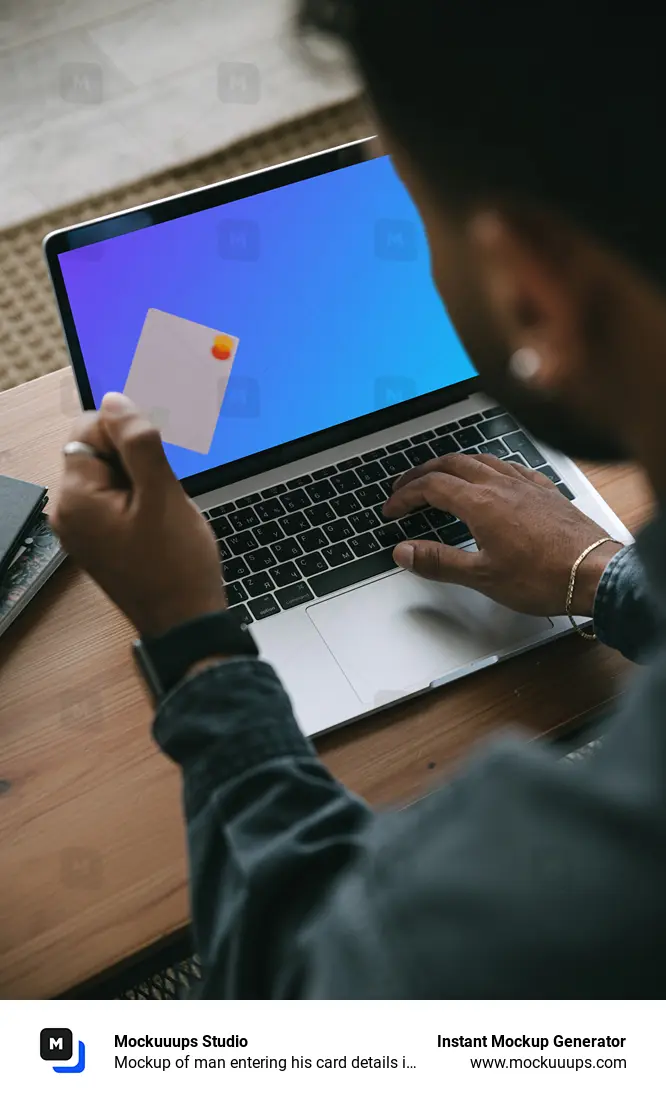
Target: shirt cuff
point(229, 718)
point(623, 613)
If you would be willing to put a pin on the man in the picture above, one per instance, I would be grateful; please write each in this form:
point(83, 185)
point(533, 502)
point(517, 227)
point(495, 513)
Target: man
point(540, 180)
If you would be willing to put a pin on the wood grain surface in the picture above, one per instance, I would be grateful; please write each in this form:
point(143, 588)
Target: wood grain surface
point(92, 852)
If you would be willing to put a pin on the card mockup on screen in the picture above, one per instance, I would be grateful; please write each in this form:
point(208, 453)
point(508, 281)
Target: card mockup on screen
point(179, 376)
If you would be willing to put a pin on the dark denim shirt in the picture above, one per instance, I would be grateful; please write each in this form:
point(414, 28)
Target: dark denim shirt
point(520, 878)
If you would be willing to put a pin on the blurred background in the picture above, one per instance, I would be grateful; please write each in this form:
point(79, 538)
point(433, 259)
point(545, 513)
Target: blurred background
point(94, 93)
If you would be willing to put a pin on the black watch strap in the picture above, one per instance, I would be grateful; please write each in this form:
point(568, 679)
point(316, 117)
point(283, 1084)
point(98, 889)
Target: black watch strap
point(164, 660)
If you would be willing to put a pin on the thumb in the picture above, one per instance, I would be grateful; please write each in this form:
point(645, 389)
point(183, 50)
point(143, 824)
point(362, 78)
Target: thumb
point(137, 442)
point(435, 561)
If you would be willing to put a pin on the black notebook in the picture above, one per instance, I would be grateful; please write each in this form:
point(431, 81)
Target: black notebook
point(38, 557)
point(21, 503)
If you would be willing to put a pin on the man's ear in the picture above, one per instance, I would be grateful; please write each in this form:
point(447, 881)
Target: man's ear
point(526, 271)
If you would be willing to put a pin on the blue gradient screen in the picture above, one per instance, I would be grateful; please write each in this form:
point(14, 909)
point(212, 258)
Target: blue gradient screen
point(326, 282)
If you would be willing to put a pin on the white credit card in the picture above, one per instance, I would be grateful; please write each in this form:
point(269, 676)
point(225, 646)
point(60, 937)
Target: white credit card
point(179, 376)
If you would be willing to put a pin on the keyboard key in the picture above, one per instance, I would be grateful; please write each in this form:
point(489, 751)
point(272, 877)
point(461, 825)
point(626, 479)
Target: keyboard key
point(364, 544)
point(445, 446)
point(313, 540)
point(221, 526)
point(371, 494)
point(268, 532)
point(566, 491)
point(395, 464)
point(395, 448)
point(373, 471)
point(436, 519)
point(337, 555)
point(241, 614)
point(549, 472)
point(235, 593)
point(269, 509)
point(349, 463)
point(447, 429)
point(244, 502)
point(222, 509)
point(345, 482)
point(286, 550)
point(327, 471)
point(240, 544)
point(235, 569)
point(259, 584)
point(273, 491)
point(312, 564)
point(499, 425)
point(293, 525)
point(263, 607)
point(224, 551)
point(495, 411)
point(474, 418)
point(390, 535)
point(344, 506)
point(361, 569)
point(294, 595)
point(493, 447)
point(243, 519)
point(364, 521)
point(519, 442)
point(414, 525)
point(296, 482)
point(285, 574)
point(320, 513)
point(454, 533)
point(470, 451)
point(259, 559)
point(338, 530)
point(516, 458)
point(423, 436)
point(468, 437)
point(420, 454)
point(320, 491)
point(295, 501)
point(371, 456)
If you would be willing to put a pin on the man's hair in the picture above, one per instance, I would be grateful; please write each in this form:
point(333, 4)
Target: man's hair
point(488, 107)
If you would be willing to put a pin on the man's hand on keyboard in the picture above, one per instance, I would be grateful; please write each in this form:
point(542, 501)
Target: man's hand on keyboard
point(528, 535)
point(137, 534)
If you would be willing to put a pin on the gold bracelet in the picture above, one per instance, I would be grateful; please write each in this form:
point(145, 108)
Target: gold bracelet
point(572, 582)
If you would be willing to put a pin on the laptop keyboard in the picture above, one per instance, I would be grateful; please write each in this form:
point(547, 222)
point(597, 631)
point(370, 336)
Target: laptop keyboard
point(324, 531)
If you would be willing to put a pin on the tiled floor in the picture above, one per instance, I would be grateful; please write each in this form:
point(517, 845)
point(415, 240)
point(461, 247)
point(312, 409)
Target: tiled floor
point(99, 92)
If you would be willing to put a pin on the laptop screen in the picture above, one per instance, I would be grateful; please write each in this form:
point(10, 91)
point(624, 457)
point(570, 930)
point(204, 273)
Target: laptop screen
point(246, 326)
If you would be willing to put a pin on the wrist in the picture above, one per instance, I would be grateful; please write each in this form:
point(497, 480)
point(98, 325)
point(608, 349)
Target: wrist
point(155, 622)
point(588, 576)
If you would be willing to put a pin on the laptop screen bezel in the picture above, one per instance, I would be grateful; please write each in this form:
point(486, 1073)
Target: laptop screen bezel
point(214, 195)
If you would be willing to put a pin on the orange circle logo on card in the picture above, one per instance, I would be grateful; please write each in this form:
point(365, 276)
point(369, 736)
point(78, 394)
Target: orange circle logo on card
point(222, 347)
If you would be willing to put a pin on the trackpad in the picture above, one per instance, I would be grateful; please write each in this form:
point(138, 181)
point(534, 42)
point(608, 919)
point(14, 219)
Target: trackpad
point(398, 634)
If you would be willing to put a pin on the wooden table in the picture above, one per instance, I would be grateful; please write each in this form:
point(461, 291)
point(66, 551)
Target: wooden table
point(92, 851)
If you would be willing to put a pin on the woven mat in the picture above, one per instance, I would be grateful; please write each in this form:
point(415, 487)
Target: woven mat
point(31, 342)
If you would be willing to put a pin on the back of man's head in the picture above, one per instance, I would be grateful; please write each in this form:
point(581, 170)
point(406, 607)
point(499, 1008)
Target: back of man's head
point(488, 100)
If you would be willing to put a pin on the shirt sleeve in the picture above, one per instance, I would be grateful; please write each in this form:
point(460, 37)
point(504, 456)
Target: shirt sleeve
point(624, 614)
point(521, 878)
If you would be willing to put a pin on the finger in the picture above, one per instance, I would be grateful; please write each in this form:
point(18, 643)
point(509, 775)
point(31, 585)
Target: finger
point(137, 442)
point(537, 478)
point(466, 467)
point(508, 469)
point(437, 562)
point(84, 471)
point(442, 491)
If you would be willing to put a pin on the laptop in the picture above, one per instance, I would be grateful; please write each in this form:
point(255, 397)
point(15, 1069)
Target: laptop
point(283, 332)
